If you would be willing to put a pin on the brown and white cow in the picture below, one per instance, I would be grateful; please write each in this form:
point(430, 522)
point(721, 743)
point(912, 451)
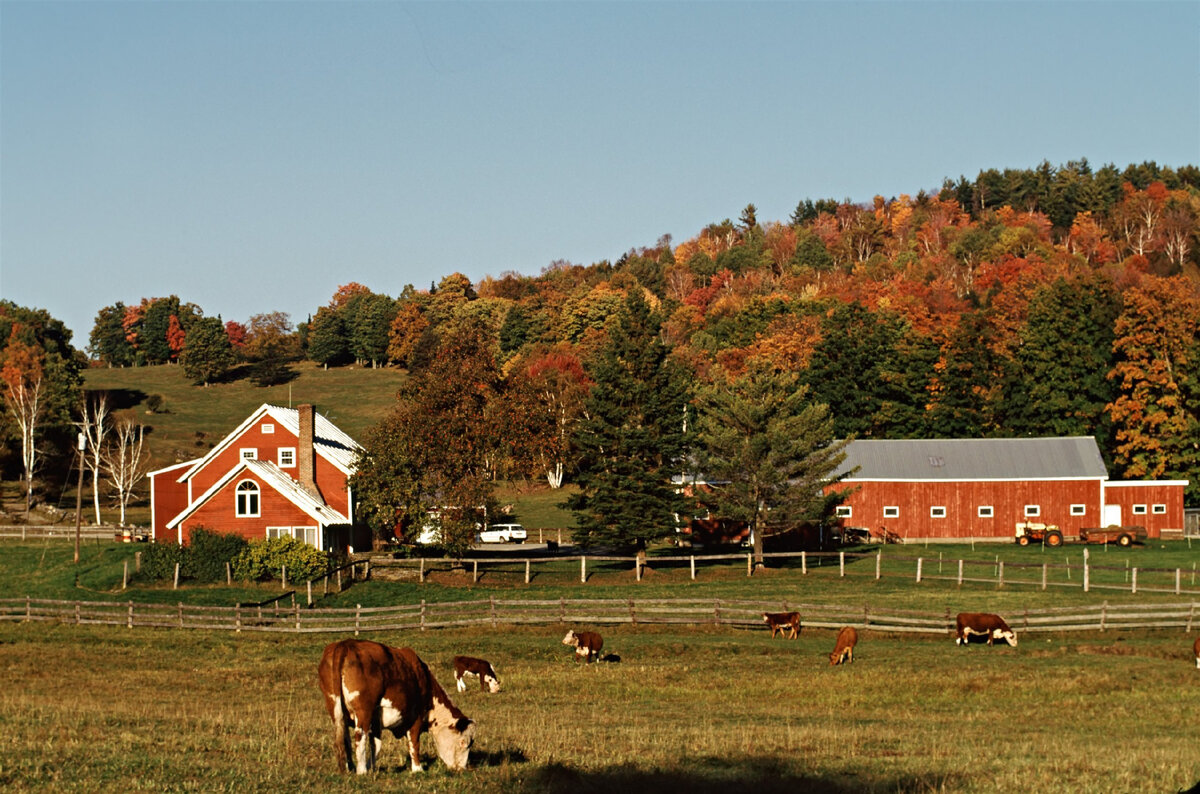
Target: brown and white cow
point(368, 687)
point(481, 668)
point(843, 651)
point(983, 624)
point(783, 622)
point(587, 644)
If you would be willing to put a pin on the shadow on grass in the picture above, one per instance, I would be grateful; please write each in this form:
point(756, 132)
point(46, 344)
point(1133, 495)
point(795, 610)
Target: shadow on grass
point(716, 776)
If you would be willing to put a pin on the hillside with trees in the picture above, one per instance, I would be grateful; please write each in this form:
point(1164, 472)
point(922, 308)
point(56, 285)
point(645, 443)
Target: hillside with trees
point(1024, 302)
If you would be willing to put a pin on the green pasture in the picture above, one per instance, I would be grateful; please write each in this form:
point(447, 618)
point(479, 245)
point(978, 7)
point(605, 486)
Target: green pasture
point(91, 709)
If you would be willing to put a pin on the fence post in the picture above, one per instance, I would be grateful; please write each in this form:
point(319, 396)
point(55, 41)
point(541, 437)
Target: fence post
point(474, 570)
point(1177, 581)
point(804, 562)
point(562, 610)
point(878, 564)
point(1103, 615)
point(583, 570)
point(130, 623)
point(237, 617)
point(632, 614)
point(137, 562)
point(176, 585)
point(637, 568)
point(125, 576)
point(749, 564)
point(422, 614)
point(28, 611)
point(1086, 572)
point(358, 616)
point(422, 574)
point(78, 617)
point(492, 600)
point(960, 572)
point(283, 577)
point(180, 614)
point(1191, 614)
point(919, 561)
point(228, 572)
point(717, 612)
point(1044, 570)
point(692, 562)
point(310, 592)
point(1133, 583)
point(842, 564)
point(1000, 573)
point(298, 616)
point(527, 572)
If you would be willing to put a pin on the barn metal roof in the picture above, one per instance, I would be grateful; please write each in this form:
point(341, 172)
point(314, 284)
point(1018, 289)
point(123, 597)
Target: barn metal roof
point(915, 460)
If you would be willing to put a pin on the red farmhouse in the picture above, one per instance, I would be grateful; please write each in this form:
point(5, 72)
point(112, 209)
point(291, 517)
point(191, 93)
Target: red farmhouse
point(981, 488)
point(282, 472)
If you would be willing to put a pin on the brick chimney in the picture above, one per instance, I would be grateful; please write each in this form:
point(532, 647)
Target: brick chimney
point(305, 456)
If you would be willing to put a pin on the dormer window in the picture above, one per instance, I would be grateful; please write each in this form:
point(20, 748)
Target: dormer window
point(268, 428)
point(249, 453)
point(287, 457)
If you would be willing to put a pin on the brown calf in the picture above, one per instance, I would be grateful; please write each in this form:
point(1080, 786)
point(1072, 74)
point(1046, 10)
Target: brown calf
point(847, 638)
point(982, 624)
point(469, 665)
point(587, 644)
point(783, 622)
point(368, 687)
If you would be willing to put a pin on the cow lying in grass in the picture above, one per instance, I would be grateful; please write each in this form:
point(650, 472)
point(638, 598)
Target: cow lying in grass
point(369, 687)
point(843, 651)
point(983, 624)
point(587, 644)
point(783, 622)
point(480, 668)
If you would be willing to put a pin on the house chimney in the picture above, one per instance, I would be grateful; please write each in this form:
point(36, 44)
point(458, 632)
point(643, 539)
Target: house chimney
point(305, 456)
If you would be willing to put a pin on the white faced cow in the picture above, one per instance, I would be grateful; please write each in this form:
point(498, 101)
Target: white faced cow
point(587, 644)
point(983, 624)
point(480, 668)
point(786, 623)
point(369, 687)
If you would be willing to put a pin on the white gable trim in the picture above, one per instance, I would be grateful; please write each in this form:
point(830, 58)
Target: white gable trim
point(279, 482)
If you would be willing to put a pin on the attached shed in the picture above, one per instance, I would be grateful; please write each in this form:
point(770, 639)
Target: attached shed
point(981, 488)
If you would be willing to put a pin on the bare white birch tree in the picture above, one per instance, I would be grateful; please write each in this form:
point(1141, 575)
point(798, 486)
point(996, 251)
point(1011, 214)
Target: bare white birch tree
point(94, 428)
point(126, 460)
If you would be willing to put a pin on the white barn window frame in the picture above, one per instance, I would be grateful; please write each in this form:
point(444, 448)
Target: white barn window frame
point(248, 453)
point(1033, 511)
point(937, 511)
point(843, 511)
point(268, 428)
point(286, 457)
point(986, 511)
point(891, 511)
point(1139, 510)
point(1159, 510)
point(1079, 510)
point(248, 500)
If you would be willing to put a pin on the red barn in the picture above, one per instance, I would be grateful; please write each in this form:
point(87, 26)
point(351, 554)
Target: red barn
point(981, 488)
point(281, 472)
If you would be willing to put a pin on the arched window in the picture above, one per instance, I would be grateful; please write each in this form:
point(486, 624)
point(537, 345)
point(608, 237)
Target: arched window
point(247, 499)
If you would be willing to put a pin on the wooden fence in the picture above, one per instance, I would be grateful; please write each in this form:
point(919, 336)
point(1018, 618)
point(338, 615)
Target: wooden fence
point(61, 531)
point(497, 612)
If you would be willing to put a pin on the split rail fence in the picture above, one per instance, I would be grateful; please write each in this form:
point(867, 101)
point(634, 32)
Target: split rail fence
point(497, 612)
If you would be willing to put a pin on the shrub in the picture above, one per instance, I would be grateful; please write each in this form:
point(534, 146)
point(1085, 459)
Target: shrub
point(154, 403)
point(159, 560)
point(208, 551)
point(264, 559)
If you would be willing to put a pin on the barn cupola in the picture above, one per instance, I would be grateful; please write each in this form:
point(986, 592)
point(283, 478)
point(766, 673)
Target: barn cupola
point(305, 453)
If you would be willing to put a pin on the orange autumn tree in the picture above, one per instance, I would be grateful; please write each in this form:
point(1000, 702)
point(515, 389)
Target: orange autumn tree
point(1157, 347)
point(22, 372)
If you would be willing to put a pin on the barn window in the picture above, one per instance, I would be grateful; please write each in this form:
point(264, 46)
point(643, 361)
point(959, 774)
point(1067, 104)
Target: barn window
point(1139, 510)
point(986, 511)
point(287, 457)
point(268, 428)
point(1033, 511)
point(278, 532)
point(247, 499)
point(307, 534)
point(891, 512)
point(937, 512)
point(843, 511)
point(1159, 510)
point(1079, 510)
point(249, 453)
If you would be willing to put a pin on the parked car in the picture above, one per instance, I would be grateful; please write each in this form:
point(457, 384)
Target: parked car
point(503, 533)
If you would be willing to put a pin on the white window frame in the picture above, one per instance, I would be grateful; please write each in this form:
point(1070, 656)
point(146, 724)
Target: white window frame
point(268, 428)
point(303, 533)
point(250, 509)
point(843, 511)
point(278, 532)
point(891, 511)
point(1159, 510)
point(986, 511)
point(937, 511)
point(1139, 510)
point(1033, 511)
point(248, 453)
point(1079, 510)
point(286, 457)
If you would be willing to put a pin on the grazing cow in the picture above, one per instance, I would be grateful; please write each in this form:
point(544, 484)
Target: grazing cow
point(1196, 650)
point(468, 665)
point(369, 687)
point(587, 644)
point(786, 623)
point(847, 638)
point(983, 624)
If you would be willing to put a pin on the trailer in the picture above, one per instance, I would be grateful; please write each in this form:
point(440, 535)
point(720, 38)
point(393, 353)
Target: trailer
point(1120, 535)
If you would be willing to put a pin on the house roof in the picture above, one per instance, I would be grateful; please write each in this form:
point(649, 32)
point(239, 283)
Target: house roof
point(274, 478)
point(972, 459)
point(328, 439)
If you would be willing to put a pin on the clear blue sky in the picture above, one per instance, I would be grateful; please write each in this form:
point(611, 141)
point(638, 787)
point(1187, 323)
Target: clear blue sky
point(252, 156)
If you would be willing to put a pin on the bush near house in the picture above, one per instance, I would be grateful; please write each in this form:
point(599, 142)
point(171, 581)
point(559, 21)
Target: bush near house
point(265, 559)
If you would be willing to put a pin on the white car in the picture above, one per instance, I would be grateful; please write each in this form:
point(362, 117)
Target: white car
point(503, 533)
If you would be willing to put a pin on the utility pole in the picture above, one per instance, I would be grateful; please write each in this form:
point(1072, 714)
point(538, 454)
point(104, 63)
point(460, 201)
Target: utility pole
point(80, 445)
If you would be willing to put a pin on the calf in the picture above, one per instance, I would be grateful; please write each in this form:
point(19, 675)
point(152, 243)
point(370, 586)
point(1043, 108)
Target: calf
point(468, 665)
point(847, 638)
point(368, 687)
point(587, 644)
point(983, 624)
point(783, 622)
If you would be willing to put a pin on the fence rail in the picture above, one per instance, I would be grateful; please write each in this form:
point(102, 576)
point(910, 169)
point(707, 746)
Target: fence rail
point(496, 612)
point(40, 531)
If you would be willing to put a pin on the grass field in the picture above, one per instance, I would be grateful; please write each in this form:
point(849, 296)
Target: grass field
point(694, 708)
